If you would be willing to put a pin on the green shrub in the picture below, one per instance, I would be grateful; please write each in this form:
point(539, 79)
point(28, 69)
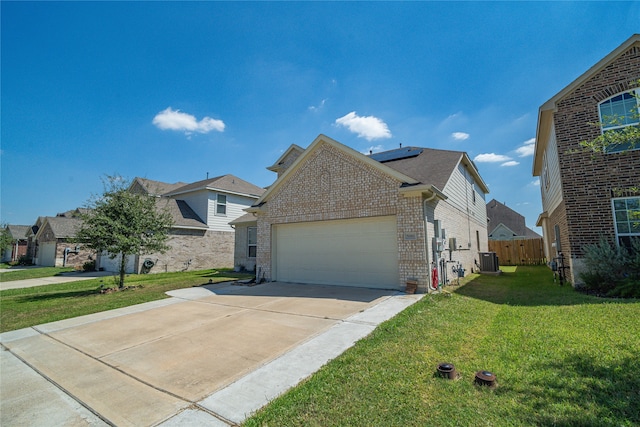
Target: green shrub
point(24, 260)
point(89, 266)
point(612, 270)
point(628, 288)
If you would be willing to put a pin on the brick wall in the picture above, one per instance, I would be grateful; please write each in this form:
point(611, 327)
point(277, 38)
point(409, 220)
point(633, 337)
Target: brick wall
point(76, 260)
point(194, 250)
point(588, 178)
point(333, 185)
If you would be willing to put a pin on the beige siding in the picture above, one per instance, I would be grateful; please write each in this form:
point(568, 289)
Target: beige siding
point(198, 201)
point(552, 190)
point(235, 209)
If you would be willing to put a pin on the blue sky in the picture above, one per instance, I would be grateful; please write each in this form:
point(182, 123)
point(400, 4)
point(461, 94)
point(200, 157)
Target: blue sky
point(171, 91)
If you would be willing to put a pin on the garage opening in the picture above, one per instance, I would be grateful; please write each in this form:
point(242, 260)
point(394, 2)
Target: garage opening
point(355, 252)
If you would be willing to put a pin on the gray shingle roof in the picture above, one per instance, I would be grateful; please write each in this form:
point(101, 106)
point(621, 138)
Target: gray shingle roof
point(156, 188)
point(181, 212)
point(431, 166)
point(18, 231)
point(63, 227)
point(499, 213)
point(225, 183)
point(246, 218)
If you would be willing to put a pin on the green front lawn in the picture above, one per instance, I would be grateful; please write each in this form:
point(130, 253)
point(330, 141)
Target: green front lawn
point(561, 358)
point(33, 273)
point(21, 308)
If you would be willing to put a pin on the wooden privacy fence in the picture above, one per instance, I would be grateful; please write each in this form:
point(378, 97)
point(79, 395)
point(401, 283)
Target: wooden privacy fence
point(518, 252)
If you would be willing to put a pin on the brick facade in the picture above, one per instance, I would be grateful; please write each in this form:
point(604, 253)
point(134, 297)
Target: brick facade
point(588, 179)
point(193, 250)
point(332, 184)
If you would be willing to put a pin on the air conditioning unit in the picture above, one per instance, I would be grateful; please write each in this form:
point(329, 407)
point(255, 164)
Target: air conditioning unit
point(488, 262)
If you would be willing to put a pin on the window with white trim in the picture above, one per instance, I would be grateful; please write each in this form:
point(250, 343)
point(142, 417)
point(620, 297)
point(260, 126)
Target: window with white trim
point(626, 217)
point(221, 204)
point(618, 112)
point(252, 241)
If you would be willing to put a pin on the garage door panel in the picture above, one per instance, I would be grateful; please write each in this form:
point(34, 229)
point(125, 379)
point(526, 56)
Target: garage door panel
point(360, 252)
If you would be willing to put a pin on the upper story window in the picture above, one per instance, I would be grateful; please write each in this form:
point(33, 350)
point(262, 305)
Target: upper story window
point(626, 216)
point(221, 205)
point(618, 112)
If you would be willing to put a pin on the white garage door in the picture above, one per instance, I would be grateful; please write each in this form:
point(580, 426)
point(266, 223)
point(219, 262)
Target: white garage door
point(47, 254)
point(113, 264)
point(357, 252)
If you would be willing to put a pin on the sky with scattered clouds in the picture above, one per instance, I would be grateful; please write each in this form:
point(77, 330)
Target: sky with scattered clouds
point(178, 91)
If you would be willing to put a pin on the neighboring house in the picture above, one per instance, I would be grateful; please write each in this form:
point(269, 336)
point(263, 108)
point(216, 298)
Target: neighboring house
point(587, 195)
point(336, 216)
point(31, 239)
point(506, 224)
point(18, 247)
point(201, 236)
point(54, 242)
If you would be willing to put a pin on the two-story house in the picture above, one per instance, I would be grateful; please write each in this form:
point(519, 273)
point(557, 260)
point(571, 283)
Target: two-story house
point(336, 216)
point(587, 195)
point(201, 236)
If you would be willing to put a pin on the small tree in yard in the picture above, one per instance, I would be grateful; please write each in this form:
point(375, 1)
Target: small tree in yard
point(5, 238)
point(124, 223)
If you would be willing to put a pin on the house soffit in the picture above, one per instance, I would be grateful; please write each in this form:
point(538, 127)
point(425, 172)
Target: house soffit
point(315, 145)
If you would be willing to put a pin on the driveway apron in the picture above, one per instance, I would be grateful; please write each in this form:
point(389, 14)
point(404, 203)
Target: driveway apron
point(184, 360)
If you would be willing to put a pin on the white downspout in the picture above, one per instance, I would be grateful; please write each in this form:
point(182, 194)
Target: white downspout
point(426, 237)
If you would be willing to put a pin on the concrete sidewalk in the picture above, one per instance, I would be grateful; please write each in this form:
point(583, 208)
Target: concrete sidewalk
point(209, 355)
point(63, 278)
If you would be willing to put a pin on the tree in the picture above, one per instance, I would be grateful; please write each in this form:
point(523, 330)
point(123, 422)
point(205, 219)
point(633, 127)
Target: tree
point(5, 238)
point(124, 223)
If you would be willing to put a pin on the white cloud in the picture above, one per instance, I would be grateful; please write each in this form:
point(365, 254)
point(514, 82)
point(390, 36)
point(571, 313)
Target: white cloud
point(491, 158)
point(170, 119)
point(510, 163)
point(527, 148)
point(460, 136)
point(318, 107)
point(373, 149)
point(535, 183)
point(368, 127)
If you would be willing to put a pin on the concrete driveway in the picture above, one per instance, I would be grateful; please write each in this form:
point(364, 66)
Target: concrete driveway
point(209, 355)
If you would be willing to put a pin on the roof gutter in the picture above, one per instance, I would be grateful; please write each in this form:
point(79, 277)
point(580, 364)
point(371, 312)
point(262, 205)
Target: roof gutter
point(427, 190)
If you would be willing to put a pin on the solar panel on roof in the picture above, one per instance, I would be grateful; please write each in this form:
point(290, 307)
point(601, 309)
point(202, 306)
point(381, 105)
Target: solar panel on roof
point(397, 154)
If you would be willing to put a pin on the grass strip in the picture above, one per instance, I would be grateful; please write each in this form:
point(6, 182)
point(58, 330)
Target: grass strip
point(560, 358)
point(33, 273)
